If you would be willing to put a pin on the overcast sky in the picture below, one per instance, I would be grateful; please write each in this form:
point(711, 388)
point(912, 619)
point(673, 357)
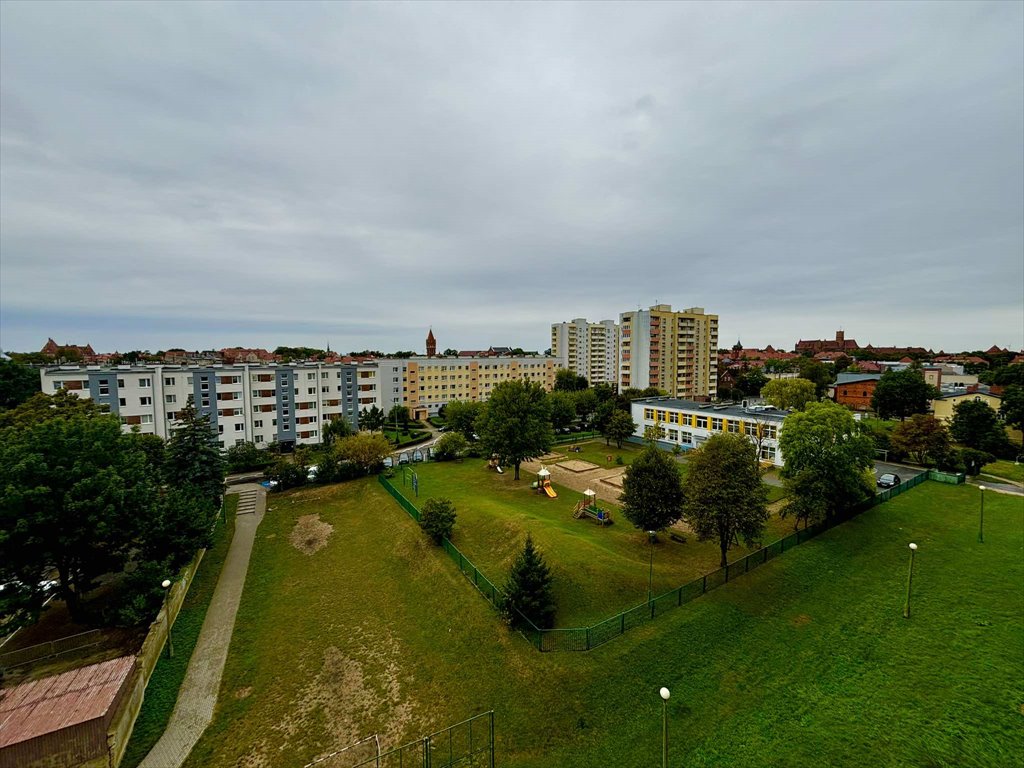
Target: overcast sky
point(258, 174)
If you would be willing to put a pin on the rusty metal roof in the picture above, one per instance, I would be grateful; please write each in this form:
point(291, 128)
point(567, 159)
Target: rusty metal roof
point(43, 706)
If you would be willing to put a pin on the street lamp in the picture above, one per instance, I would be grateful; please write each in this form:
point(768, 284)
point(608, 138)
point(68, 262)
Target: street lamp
point(910, 579)
point(166, 583)
point(664, 727)
point(981, 519)
point(650, 571)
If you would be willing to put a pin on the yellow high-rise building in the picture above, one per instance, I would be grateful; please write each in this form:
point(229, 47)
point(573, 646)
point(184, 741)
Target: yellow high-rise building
point(677, 352)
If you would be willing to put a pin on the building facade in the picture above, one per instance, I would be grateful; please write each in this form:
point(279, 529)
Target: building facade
point(689, 424)
point(677, 352)
point(855, 390)
point(587, 349)
point(261, 404)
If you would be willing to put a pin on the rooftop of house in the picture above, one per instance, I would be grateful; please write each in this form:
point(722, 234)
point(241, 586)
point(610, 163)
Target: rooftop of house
point(852, 378)
point(730, 410)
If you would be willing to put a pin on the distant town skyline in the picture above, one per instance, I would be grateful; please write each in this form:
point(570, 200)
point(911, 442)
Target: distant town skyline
point(209, 175)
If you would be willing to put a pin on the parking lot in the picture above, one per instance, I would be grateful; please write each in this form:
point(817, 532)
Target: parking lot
point(905, 473)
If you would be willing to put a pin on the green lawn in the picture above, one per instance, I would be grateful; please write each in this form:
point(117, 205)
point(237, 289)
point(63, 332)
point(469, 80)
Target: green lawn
point(162, 691)
point(596, 452)
point(598, 571)
point(806, 661)
point(1006, 470)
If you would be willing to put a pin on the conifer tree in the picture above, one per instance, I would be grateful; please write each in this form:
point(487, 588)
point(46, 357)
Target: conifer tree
point(528, 590)
point(193, 456)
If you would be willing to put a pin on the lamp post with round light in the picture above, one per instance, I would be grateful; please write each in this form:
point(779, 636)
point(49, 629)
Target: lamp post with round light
point(650, 570)
point(664, 727)
point(910, 579)
point(981, 519)
point(167, 616)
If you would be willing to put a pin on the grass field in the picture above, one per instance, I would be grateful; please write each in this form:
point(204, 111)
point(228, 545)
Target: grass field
point(162, 690)
point(1006, 470)
point(806, 661)
point(598, 572)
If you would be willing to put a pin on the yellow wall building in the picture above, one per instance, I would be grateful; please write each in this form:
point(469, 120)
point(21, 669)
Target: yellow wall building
point(942, 407)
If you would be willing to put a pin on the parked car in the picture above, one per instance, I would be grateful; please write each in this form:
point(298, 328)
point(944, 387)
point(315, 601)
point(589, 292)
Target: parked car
point(888, 480)
point(403, 458)
point(388, 462)
point(417, 455)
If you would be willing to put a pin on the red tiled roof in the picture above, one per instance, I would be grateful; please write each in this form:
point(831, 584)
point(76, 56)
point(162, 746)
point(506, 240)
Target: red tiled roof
point(43, 706)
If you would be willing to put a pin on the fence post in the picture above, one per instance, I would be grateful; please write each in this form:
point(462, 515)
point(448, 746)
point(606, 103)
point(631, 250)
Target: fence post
point(588, 638)
point(726, 573)
point(704, 585)
point(746, 564)
point(491, 762)
point(622, 623)
point(679, 597)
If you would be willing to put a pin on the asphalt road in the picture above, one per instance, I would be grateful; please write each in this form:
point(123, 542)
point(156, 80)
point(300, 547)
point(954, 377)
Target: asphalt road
point(905, 473)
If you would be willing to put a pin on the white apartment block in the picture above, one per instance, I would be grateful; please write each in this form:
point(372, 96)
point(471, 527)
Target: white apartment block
point(261, 404)
point(677, 352)
point(587, 349)
point(689, 424)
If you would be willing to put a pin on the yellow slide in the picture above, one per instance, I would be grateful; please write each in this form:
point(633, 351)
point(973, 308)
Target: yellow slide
point(550, 491)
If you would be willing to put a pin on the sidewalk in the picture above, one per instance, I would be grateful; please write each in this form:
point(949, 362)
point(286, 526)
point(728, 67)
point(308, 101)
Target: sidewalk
point(198, 696)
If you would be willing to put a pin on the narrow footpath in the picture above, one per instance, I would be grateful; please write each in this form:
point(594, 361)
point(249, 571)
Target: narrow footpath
point(198, 696)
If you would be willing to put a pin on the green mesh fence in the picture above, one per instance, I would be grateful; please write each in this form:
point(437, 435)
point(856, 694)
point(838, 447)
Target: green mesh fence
point(587, 638)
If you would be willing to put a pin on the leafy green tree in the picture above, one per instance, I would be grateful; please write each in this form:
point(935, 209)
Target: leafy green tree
point(779, 366)
point(974, 460)
point(652, 491)
point(364, 450)
point(193, 455)
point(619, 426)
point(437, 519)
point(603, 414)
point(725, 499)
point(603, 392)
point(75, 492)
point(563, 409)
point(828, 462)
point(179, 525)
point(569, 381)
point(335, 429)
point(288, 472)
point(450, 446)
point(751, 382)
point(246, 457)
point(17, 384)
point(516, 422)
point(976, 425)
point(371, 418)
point(1006, 375)
point(461, 416)
point(899, 394)
point(585, 402)
point(1012, 406)
point(922, 437)
point(789, 394)
point(528, 591)
point(398, 414)
point(155, 450)
point(817, 372)
point(42, 407)
point(451, 352)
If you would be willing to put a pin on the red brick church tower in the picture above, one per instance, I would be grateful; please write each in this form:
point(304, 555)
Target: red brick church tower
point(431, 343)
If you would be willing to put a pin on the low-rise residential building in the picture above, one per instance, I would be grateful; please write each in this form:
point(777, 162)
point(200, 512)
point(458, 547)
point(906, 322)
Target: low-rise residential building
point(854, 390)
point(689, 424)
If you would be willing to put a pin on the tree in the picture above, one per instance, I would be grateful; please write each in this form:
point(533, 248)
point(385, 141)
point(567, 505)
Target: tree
point(619, 426)
point(751, 382)
point(17, 384)
point(180, 524)
point(563, 409)
point(586, 403)
point(1012, 406)
point(652, 491)
point(42, 407)
point(817, 372)
point(789, 394)
point(75, 492)
point(977, 426)
point(437, 519)
point(528, 592)
point(335, 429)
point(923, 437)
point(899, 394)
point(450, 446)
point(155, 450)
point(569, 381)
point(828, 462)
point(193, 455)
point(371, 418)
point(604, 392)
point(516, 422)
point(246, 457)
point(364, 450)
point(450, 352)
point(779, 366)
point(725, 499)
point(461, 416)
point(398, 414)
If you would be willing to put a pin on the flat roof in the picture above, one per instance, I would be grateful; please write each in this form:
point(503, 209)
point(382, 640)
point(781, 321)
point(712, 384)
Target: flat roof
point(734, 410)
point(42, 706)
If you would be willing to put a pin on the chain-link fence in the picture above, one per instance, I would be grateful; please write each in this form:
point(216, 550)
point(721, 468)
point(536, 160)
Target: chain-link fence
point(586, 638)
point(469, 744)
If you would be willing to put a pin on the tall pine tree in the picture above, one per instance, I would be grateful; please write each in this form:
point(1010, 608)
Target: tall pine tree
point(528, 590)
point(193, 456)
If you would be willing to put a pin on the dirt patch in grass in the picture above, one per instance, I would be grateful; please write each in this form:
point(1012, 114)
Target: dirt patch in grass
point(244, 693)
point(801, 621)
point(310, 534)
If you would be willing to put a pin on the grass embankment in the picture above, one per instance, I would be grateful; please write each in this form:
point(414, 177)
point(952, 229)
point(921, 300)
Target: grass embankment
point(1005, 470)
point(598, 571)
point(162, 690)
point(806, 660)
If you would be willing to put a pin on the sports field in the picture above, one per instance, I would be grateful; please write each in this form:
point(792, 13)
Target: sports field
point(805, 661)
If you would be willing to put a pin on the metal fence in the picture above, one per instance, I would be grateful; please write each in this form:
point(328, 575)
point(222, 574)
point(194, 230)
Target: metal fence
point(469, 744)
point(587, 638)
point(50, 649)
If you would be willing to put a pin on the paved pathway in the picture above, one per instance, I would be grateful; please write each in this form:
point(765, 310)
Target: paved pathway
point(194, 709)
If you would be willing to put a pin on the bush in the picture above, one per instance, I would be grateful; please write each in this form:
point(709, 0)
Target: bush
point(973, 460)
point(437, 519)
point(619, 461)
point(450, 446)
point(288, 474)
point(246, 457)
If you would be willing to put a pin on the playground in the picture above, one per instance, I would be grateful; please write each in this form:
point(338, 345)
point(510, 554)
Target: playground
point(805, 661)
point(601, 564)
